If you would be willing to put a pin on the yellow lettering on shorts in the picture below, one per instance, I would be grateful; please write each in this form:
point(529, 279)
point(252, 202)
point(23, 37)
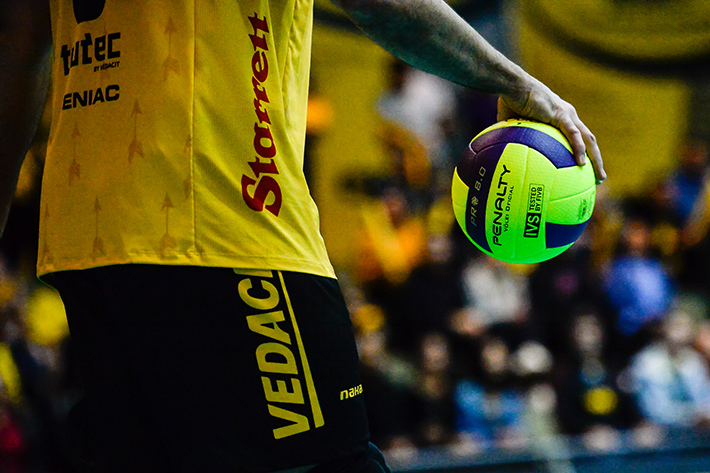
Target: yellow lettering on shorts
point(352, 392)
point(318, 419)
point(282, 374)
point(284, 362)
point(268, 303)
point(267, 325)
point(299, 423)
point(281, 393)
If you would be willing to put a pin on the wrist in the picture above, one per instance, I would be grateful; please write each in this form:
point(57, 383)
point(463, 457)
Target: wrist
point(517, 88)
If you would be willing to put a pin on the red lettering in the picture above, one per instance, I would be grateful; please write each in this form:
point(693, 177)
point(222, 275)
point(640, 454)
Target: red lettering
point(258, 24)
point(260, 66)
point(259, 92)
point(259, 167)
point(259, 97)
point(261, 134)
point(265, 186)
point(261, 113)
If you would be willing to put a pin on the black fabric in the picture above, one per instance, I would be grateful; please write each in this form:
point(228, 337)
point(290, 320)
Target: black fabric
point(200, 369)
point(369, 461)
point(88, 10)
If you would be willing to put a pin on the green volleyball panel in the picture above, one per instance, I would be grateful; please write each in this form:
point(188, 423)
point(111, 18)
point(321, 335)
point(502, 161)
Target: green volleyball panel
point(532, 213)
point(572, 210)
point(540, 256)
point(572, 180)
point(459, 196)
point(504, 200)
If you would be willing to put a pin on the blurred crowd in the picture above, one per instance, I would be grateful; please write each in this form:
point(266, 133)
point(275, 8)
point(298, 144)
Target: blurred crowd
point(609, 342)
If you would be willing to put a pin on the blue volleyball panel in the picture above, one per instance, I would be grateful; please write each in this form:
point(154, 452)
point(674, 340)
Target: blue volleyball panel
point(479, 170)
point(557, 235)
point(548, 146)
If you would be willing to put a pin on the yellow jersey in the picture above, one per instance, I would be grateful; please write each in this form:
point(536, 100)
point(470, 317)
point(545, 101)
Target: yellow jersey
point(177, 136)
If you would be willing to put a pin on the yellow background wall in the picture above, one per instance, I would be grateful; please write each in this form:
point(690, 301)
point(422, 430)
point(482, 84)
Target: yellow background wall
point(640, 119)
point(349, 70)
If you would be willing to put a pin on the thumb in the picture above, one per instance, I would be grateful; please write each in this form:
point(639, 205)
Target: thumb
point(504, 111)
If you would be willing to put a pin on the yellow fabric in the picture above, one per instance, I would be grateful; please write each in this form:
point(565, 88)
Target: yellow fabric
point(177, 137)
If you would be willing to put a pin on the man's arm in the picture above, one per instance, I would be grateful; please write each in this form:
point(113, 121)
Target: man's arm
point(25, 46)
point(429, 35)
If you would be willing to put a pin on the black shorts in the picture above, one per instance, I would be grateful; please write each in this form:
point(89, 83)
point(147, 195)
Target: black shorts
point(193, 369)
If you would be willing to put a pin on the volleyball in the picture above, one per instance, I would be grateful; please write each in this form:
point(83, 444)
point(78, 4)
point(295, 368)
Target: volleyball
point(518, 193)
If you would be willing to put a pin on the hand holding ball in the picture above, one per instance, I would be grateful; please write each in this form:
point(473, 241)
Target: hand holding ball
point(518, 193)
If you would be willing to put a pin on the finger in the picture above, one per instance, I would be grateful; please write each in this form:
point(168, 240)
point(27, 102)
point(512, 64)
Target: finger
point(504, 111)
point(575, 138)
point(593, 152)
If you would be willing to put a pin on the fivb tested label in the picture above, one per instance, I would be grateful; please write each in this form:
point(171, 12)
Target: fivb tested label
point(533, 217)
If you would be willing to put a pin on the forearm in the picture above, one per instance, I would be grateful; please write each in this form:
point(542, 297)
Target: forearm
point(429, 35)
point(24, 58)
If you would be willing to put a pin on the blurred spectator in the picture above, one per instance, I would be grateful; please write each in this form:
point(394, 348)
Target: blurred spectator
point(427, 299)
point(38, 353)
point(669, 379)
point(603, 231)
point(685, 184)
point(557, 288)
point(13, 442)
point(410, 169)
point(391, 244)
point(421, 103)
point(496, 292)
point(32, 330)
point(590, 401)
point(490, 407)
point(435, 408)
point(673, 204)
point(695, 271)
point(389, 381)
point(659, 209)
point(638, 286)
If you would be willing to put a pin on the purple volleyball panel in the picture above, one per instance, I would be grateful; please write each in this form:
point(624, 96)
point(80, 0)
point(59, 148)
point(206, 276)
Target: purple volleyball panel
point(545, 144)
point(557, 235)
point(476, 170)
